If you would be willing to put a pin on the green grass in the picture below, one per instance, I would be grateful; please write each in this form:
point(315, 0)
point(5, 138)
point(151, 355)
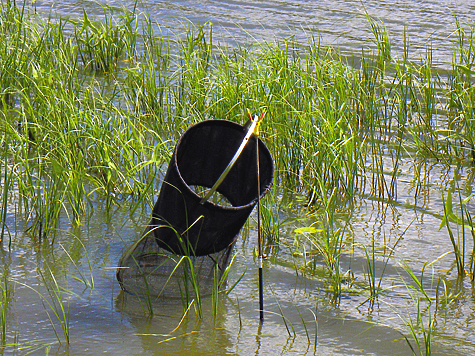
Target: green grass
point(4, 299)
point(56, 307)
point(72, 139)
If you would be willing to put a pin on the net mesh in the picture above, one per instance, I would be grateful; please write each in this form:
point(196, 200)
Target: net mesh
point(147, 269)
point(188, 243)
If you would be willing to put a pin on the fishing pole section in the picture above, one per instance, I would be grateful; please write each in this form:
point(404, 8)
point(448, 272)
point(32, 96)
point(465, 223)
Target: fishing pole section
point(253, 128)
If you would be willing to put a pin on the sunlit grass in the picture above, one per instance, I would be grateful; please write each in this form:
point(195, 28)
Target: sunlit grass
point(71, 139)
point(4, 300)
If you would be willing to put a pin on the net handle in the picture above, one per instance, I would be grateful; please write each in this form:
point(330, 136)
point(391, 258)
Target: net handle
point(223, 175)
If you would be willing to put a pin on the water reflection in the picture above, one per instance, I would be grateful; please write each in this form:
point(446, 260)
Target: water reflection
point(104, 319)
point(175, 331)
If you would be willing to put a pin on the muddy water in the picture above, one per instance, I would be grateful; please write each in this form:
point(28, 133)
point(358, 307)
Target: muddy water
point(301, 317)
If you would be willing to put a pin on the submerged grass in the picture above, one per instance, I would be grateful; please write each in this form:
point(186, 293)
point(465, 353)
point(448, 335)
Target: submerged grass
point(4, 298)
point(55, 304)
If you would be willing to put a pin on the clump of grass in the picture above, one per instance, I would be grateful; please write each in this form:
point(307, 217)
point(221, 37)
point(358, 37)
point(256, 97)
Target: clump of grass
point(320, 244)
point(4, 298)
point(463, 223)
point(13, 60)
point(321, 126)
point(421, 332)
point(374, 282)
point(102, 45)
point(328, 123)
point(460, 93)
point(147, 83)
point(63, 152)
point(381, 40)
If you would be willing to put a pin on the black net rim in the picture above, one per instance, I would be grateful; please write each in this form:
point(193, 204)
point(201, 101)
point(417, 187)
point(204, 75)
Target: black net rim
point(221, 122)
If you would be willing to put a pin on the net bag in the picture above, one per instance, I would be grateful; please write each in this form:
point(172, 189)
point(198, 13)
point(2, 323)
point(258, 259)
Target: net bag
point(187, 236)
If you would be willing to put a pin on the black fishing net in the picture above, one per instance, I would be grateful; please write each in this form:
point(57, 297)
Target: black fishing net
point(187, 237)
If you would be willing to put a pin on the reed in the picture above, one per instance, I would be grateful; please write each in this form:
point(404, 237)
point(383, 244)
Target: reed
point(102, 44)
point(422, 325)
point(4, 297)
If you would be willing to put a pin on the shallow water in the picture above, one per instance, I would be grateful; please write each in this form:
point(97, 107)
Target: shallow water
point(104, 320)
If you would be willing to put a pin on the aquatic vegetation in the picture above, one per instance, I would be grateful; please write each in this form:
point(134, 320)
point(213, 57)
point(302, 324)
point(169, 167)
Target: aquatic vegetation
point(55, 304)
point(463, 223)
point(421, 324)
point(88, 282)
point(326, 119)
point(102, 44)
point(147, 82)
point(323, 244)
point(220, 284)
point(4, 297)
point(421, 333)
point(60, 311)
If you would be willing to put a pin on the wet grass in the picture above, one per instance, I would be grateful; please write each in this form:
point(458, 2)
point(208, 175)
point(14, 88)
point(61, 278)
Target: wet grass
point(90, 111)
point(103, 136)
point(3, 311)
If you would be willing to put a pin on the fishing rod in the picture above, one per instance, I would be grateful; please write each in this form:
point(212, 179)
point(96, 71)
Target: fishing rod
point(259, 237)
